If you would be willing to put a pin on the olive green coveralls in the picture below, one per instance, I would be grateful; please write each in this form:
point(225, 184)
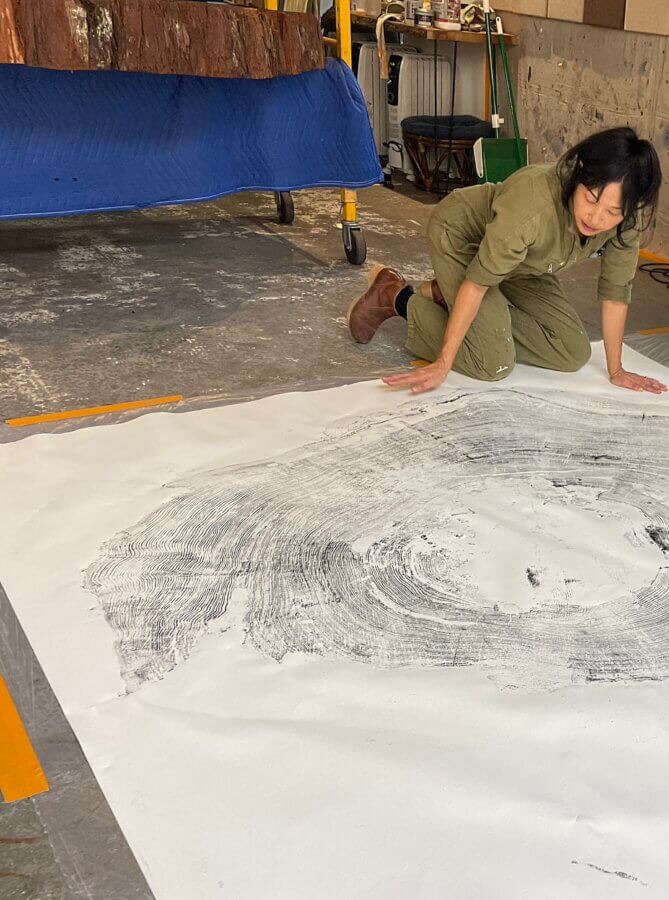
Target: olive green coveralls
point(513, 238)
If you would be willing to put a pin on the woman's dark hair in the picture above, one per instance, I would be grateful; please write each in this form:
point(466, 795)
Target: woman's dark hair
point(616, 155)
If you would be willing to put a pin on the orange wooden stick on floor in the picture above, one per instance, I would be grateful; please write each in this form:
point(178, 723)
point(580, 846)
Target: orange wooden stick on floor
point(21, 775)
point(93, 411)
point(647, 256)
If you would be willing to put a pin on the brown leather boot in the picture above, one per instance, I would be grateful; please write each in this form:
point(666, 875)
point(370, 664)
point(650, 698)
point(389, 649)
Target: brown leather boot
point(431, 291)
point(370, 311)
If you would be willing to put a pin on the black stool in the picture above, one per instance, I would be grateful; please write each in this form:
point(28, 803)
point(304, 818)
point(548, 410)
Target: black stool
point(430, 139)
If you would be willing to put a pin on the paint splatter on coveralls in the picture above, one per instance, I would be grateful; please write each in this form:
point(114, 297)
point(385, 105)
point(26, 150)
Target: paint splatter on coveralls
point(513, 238)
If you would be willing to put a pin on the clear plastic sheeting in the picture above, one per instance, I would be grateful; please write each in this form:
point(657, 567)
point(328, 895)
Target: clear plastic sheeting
point(654, 346)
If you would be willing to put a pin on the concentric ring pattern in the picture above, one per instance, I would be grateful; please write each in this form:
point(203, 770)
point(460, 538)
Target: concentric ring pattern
point(527, 535)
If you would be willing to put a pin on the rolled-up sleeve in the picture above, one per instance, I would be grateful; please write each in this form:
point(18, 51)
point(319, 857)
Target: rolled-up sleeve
point(508, 235)
point(619, 264)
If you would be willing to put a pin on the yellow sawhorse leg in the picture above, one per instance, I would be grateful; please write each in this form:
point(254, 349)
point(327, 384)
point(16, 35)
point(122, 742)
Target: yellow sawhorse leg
point(354, 242)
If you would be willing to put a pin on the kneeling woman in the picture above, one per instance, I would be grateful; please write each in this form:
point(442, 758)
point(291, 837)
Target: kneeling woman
point(496, 250)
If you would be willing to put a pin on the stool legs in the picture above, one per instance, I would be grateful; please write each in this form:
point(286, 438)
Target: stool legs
point(419, 149)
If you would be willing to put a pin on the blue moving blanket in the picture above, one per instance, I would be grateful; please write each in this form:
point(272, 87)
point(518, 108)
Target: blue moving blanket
point(92, 141)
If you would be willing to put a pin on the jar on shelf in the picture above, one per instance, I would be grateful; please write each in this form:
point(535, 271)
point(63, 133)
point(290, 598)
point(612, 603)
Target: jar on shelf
point(447, 14)
point(424, 15)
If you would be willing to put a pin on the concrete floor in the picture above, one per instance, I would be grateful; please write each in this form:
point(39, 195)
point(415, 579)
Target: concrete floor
point(221, 304)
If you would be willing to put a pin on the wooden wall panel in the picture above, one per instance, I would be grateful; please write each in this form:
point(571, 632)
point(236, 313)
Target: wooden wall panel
point(607, 13)
point(566, 10)
point(523, 7)
point(647, 16)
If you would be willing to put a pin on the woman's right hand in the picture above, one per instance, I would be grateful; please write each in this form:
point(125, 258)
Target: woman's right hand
point(633, 382)
point(427, 378)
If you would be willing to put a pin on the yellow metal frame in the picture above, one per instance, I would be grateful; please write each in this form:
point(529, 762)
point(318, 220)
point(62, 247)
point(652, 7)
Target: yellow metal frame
point(349, 199)
point(344, 44)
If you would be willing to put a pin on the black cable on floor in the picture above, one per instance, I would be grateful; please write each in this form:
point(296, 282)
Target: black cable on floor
point(657, 271)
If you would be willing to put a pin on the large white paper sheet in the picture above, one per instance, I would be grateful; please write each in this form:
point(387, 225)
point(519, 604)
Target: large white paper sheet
point(355, 644)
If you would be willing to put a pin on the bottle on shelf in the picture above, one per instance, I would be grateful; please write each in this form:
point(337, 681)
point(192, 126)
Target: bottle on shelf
point(411, 8)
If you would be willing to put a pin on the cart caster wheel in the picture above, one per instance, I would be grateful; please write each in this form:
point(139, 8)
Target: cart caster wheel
point(285, 207)
point(354, 244)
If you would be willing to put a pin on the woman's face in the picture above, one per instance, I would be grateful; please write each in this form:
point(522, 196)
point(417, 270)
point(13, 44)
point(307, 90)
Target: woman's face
point(598, 209)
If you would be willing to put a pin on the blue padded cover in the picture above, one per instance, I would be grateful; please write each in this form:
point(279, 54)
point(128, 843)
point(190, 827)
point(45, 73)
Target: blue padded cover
point(73, 142)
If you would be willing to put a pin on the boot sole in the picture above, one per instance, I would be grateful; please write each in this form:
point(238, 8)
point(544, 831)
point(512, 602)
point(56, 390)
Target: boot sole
point(371, 278)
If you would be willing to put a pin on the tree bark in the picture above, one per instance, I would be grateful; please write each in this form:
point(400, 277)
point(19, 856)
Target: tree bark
point(173, 37)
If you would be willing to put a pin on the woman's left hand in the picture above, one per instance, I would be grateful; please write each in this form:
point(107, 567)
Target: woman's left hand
point(633, 382)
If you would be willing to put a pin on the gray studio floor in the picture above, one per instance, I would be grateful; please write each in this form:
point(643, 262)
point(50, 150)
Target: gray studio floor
point(216, 302)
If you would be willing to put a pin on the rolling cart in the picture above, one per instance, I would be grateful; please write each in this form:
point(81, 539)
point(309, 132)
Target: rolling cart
point(355, 246)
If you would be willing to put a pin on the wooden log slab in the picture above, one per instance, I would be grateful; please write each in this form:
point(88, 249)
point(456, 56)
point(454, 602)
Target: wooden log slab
point(173, 37)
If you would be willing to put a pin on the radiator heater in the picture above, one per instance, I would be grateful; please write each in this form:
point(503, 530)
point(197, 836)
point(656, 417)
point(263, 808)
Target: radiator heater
point(411, 92)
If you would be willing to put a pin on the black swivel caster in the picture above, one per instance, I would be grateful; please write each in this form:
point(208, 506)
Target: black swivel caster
point(285, 207)
point(355, 246)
